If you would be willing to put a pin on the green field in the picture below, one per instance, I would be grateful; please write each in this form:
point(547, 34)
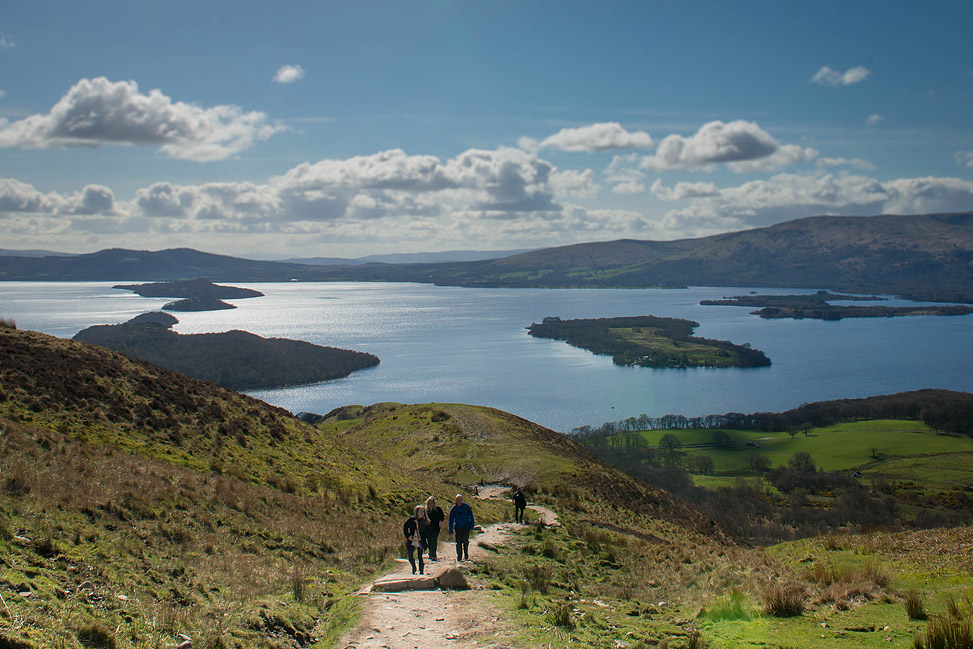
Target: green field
point(894, 449)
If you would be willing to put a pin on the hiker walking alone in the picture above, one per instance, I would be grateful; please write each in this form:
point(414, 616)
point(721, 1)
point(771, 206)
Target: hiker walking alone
point(413, 528)
point(436, 516)
point(460, 524)
point(520, 503)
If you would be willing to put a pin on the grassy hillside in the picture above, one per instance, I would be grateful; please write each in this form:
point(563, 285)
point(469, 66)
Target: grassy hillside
point(137, 504)
point(139, 507)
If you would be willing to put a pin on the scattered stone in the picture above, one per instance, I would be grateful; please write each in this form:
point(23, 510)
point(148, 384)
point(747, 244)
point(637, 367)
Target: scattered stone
point(488, 546)
point(86, 585)
point(188, 644)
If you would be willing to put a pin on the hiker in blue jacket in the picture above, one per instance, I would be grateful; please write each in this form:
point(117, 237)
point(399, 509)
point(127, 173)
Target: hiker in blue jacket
point(460, 524)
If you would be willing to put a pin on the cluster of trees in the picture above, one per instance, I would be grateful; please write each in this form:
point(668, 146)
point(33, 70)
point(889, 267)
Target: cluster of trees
point(597, 336)
point(942, 410)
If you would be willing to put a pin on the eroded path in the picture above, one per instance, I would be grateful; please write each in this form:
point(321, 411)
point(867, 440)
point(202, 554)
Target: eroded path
point(434, 618)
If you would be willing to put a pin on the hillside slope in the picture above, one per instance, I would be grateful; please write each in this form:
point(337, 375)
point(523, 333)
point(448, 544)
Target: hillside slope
point(137, 504)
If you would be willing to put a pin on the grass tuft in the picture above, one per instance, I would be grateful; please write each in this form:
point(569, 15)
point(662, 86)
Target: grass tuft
point(913, 606)
point(945, 633)
point(783, 600)
point(561, 616)
point(97, 636)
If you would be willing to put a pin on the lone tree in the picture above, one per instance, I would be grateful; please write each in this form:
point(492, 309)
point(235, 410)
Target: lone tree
point(759, 463)
point(670, 442)
point(802, 462)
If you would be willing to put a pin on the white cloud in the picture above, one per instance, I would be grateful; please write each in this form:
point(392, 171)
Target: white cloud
point(857, 163)
point(3, 93)
point(744, 145)
point(964, 158)
point(96, 112)
point(289, 74)
point(827, 76)
point(683, 190)
point(874, 119)
point(787, 196)
point(624, 173)
point(6, 43)
point(594, 138)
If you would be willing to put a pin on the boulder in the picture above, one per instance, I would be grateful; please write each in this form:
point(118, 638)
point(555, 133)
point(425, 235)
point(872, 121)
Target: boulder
point(450, 577)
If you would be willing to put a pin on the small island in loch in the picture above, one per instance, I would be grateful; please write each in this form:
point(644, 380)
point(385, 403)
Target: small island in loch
point(234, 359)
point(197, 294)
point(817, 306)
point(649, 341)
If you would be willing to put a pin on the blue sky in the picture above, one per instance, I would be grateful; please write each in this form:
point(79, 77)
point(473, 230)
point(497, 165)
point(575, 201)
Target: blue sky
point(346, 129)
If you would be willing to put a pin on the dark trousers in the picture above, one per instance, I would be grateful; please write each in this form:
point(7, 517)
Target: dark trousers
point(462, 535)
point(519, 513)
point(431, 540)
point(412, 559)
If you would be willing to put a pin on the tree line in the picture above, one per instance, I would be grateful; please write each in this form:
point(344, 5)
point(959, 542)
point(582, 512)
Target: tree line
point(942, 410)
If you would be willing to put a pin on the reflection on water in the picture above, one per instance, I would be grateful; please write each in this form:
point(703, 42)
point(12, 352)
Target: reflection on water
point(471, 346)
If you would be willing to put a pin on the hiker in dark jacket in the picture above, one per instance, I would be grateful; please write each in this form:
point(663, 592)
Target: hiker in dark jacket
point(520, 503)
point(460, 525)
point(436, 516)
point(414, 527)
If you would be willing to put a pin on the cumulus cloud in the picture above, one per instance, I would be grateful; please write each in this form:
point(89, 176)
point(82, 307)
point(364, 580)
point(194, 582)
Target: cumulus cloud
point(288, 74)
point(96, 112)
point(743, 145)
point(874, 119)
point(6, 42)
point(594, 138)
point(827, 76)
point(787, 196)
point(964, 158)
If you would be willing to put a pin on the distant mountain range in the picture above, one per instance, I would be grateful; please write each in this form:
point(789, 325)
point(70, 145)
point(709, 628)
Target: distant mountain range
point(410, 257)
point(924, 256)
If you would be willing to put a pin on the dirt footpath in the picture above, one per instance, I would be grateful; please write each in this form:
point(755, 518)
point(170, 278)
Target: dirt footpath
point(434, 619)
point(439, 619)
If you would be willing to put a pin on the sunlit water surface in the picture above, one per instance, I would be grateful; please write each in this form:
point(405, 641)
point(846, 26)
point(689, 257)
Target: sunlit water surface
point(462, 345)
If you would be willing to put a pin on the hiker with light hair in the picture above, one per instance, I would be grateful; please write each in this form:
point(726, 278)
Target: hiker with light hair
point(414, 528)
point(435, 515)
point(461, 523)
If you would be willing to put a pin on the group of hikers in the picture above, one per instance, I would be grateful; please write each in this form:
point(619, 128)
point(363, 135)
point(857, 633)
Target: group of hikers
point(421, 530)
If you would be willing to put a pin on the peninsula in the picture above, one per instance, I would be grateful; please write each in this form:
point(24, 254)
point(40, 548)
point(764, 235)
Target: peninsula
point(234, 359)
point(649, 341)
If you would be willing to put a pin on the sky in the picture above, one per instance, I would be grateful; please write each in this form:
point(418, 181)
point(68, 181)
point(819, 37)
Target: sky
point(344, 129)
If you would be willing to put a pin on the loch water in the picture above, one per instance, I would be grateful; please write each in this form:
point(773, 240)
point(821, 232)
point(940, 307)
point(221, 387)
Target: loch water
point(462, 345)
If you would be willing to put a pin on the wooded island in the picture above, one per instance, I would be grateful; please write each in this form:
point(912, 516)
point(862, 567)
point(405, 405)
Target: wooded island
point(816, 306)
point(234, 359)
point(649, 341)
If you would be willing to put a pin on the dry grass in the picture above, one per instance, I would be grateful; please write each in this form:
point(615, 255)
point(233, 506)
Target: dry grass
point(164, 549)
point(784, 600)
